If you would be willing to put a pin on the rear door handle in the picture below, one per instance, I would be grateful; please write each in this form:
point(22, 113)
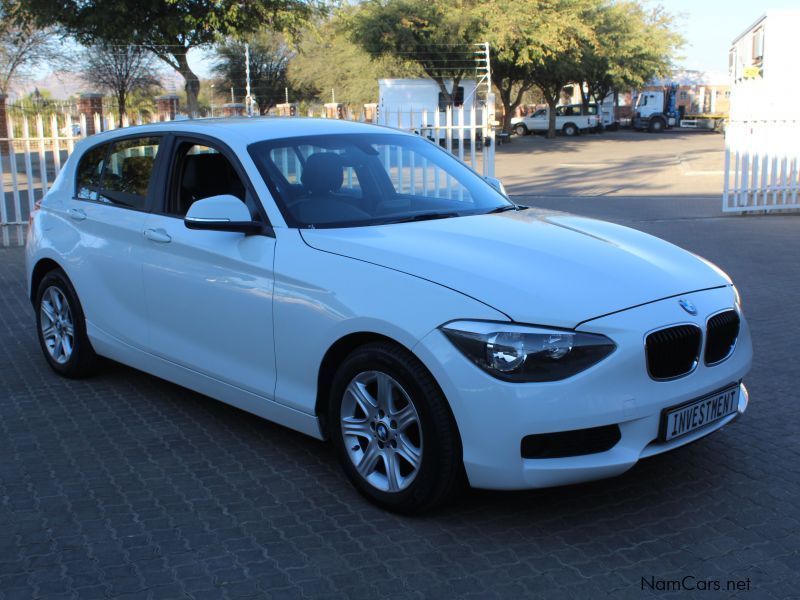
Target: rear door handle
point(157, 235)
point(76, 214)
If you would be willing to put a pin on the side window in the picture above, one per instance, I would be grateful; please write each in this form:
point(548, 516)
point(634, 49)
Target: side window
point(128, 171)
point(90, 170)
point(560, 110)
point(201, 172)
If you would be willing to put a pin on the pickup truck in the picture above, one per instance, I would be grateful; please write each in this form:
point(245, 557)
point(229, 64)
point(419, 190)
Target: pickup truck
point(569, 121)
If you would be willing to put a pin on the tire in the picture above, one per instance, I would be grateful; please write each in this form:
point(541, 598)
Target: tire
point(412, 420)
point(520, 129)
point(570, 129)
point(61, 327)
point(657, 126)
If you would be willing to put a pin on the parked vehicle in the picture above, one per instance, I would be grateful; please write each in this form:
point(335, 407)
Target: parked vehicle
point(364, 286)
point(570, 120)
point(418, 104)
point(655, 110)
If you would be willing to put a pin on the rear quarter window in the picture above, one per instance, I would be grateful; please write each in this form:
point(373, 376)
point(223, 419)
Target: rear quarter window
point(89, 173)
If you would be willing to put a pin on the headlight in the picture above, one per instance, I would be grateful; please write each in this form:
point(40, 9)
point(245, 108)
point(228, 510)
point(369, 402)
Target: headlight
point(737, 298)
point(519, 353)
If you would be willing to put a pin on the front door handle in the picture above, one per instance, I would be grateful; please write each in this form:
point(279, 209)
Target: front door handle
point(76, 214)
point(157, 235)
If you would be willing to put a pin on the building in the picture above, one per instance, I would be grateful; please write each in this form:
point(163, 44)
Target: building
point(762, 65)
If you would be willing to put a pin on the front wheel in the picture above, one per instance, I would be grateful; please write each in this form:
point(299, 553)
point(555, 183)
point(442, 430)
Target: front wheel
point(62, 328)
point(393, 430)
point(520, 129)
point(657, 126)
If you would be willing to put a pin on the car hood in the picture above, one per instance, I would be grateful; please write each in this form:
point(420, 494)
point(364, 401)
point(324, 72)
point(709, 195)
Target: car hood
point(537, 267)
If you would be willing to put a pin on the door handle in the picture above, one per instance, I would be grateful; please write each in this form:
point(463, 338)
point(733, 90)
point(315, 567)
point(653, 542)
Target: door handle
point(76, 214)
point(157, 235)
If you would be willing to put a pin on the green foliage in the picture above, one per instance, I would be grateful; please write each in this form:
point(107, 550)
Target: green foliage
point(170, 28)
point(434, 34)
point(269, 59)
point(327, 60)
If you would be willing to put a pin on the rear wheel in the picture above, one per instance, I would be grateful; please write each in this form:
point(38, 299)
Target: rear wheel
point(393, 431)
point(570, 129)
point(520, 129)
point(62, 327)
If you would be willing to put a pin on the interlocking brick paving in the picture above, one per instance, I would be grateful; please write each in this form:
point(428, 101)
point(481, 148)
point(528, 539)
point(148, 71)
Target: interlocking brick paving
point(124, 486)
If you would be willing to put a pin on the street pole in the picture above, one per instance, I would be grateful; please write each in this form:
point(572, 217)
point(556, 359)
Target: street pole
point(248, 99)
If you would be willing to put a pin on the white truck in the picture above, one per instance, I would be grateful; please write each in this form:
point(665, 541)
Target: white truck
point(570, 120)
point(419, 105)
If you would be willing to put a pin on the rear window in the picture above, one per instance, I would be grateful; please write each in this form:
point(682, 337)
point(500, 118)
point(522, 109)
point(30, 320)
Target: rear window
point(118, 173)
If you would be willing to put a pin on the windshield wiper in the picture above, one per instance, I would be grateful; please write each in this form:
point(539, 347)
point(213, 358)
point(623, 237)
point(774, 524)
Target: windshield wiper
point(503, 208)
point(425, 217)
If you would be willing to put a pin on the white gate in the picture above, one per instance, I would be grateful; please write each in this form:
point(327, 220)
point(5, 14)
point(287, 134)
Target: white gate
point(34, 151)
point(465, 133)
point(762, 166)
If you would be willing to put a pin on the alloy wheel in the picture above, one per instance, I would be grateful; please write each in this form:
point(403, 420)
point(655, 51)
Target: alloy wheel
point(57, 326)
point(381, 431)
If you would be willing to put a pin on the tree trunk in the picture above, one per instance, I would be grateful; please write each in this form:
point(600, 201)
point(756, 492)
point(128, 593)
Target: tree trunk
point(192, 86)
point(552, 102)
point(121, 104)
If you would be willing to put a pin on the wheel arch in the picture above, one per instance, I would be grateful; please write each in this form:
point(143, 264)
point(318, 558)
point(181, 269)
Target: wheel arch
point(334, 356)
point(42, 267)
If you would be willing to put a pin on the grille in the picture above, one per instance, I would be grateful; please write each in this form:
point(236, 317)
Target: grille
point(570, 443)
point(721, 333)
point(673, 351)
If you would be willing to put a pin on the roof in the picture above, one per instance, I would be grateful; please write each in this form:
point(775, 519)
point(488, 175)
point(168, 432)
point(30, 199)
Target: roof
point(247, 130)
point(764, 17)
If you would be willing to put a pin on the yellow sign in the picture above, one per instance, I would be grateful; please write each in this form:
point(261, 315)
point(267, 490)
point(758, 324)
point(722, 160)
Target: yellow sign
point(752, 72)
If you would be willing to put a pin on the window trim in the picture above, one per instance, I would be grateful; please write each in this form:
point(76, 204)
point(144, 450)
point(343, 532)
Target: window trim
point(170, 174)
point(155, 175)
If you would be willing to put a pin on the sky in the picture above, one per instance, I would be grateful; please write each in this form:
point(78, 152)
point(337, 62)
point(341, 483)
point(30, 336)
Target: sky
point(710, 26)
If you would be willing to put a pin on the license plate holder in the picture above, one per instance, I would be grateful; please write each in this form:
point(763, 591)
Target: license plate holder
point(680, 420)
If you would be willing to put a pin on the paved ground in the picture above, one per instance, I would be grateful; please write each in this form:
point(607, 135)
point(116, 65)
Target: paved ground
point(125, 486)
point(617, 163)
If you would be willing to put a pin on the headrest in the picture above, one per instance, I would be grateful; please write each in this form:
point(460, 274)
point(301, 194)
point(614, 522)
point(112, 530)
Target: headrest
point(207, 172)
point(323, 173)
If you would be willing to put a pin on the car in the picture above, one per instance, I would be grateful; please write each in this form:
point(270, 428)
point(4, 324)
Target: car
point(570, 121)
point(361, 285)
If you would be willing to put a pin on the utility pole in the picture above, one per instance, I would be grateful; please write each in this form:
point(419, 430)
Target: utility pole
point(248, 101)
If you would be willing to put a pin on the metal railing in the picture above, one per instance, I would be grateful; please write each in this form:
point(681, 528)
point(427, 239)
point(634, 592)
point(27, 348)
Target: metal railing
point(762, 166)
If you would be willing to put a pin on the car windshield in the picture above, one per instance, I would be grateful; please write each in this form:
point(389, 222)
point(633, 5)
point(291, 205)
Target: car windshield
point(352, 180)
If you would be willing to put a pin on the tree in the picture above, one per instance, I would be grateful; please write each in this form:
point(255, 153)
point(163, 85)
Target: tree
point(22, 47)
point(168, 28)
point(121, 70)
point(531, 40)
point(631, 46)
point(437, 35)
point(327, 59)
point(269, 59)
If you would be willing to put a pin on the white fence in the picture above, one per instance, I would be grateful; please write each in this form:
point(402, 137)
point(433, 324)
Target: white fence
point(464, 132)
point(33, 153)
point(762, 166)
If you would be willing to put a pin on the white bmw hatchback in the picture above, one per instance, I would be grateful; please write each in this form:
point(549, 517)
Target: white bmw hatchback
point(362, 285)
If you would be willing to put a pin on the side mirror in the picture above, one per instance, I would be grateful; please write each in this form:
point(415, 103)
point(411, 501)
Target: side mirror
point(496, 184)
point(222, 213)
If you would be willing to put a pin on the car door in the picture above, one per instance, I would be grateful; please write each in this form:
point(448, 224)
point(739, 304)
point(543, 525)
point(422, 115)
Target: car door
point(209, 293)
point(113, 190)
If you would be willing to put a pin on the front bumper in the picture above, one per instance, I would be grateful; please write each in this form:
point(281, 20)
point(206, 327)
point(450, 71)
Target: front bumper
point(494, 416)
